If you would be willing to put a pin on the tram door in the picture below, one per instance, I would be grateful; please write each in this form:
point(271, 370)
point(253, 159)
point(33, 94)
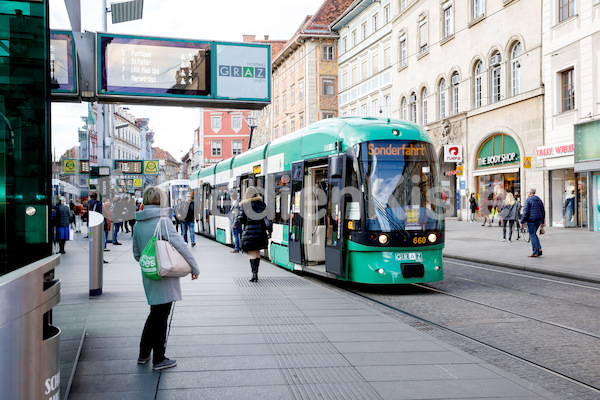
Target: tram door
point(296, 220)
point(206, 194)
point(334, 255)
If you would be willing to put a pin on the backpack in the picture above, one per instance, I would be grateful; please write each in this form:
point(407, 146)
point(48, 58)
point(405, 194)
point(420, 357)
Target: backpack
point(181, 210)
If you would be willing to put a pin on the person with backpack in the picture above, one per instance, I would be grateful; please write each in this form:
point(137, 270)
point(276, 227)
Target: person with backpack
point(235, 215)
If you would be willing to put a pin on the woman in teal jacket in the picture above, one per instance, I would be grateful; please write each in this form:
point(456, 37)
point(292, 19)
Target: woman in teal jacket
point(163, 292)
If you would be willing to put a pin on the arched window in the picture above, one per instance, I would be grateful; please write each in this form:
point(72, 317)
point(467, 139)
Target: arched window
point(413, 107)
point(424, 106)
point(404, 109)
point(478, 84)
point(515, 68)
point(442, 94)
point(455, 81)
point(495, 76)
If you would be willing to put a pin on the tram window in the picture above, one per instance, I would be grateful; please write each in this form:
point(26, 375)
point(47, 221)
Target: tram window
point(223, 199)
point(282, 198)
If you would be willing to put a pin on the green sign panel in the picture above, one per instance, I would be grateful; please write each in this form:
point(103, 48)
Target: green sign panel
point(587, 141)
point(497, 151)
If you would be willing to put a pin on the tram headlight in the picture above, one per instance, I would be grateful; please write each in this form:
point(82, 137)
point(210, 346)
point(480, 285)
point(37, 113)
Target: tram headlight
point(432, 237)
point(380, 270)
point(383, 239)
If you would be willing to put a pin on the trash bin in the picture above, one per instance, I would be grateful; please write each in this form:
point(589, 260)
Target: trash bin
point(96, 236)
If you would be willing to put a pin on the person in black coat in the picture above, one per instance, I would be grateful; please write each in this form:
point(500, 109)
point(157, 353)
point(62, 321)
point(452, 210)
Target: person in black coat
point(63, 219)
point(254, 228)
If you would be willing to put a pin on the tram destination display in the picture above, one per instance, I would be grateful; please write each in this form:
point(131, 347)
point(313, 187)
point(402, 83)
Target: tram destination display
point(129, 166)
point(153, 66)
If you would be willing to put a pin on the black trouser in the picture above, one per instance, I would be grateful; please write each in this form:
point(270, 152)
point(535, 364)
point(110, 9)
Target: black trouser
point(154, 336)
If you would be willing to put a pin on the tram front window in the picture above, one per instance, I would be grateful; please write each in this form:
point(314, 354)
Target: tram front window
point(401, 186)
point(178, 192)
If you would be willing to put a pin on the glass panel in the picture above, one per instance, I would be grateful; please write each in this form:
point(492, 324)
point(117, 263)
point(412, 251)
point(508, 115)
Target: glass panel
point(400, 185)
point(582, 209)
point(24, 142)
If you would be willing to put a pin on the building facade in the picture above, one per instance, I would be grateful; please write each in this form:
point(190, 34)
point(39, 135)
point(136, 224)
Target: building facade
point(304, 76)
point(168, 166)
point(365, 59)
point(570, 153)
point(469, 73)
point(222, 134)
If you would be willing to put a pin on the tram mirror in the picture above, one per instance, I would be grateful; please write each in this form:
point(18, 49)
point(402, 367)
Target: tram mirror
point(335, 166)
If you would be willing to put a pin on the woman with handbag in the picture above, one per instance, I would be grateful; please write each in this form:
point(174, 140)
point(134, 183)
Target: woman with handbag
point(254, 228)
point(163, 292)
point(509, 214)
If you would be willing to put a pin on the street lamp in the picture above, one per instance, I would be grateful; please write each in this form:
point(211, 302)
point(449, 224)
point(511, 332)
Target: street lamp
point(251, 124)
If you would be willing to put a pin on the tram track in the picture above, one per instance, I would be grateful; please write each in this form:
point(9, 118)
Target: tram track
point(459, 320)
point(455, 332)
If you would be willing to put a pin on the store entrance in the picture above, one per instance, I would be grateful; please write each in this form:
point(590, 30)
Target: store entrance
point(492, 189)
point(568, 199)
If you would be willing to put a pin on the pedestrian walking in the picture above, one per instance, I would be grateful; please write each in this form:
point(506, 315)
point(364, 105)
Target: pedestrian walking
point(509, 213)
point(188, 221)
point(534, 215)
point(473, 206)
point(161, 293)
point(118, 211)
point(235, 214)
point(107, 212)
point(254, 231)
point(63, 220)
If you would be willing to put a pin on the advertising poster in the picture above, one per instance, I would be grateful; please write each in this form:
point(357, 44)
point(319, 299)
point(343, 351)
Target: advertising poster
point(243, 71)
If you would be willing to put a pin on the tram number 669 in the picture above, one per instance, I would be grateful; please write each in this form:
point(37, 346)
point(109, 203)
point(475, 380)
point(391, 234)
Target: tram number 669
point(419, 240)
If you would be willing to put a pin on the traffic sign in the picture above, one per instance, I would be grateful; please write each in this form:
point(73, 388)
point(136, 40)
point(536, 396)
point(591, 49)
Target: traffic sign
point(459, 170)
point(526, 162)
point(137, 183)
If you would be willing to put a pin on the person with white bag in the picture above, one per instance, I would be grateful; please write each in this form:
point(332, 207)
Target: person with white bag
point(163, 292)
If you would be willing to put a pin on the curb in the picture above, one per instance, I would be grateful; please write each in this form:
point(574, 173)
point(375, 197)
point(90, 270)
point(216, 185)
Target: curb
point(525, 268)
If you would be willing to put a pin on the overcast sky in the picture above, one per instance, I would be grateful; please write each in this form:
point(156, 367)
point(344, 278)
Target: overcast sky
point(187, 19)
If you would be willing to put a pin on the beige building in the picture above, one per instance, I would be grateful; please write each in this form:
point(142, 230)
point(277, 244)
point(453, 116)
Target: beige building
point(304, 76)
point(469, 72)
point(570, 154)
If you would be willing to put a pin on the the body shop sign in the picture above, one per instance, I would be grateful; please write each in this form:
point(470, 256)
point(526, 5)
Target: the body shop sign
point(243, 71)
point(497, 151)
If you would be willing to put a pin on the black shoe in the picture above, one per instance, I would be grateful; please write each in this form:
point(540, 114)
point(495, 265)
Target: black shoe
point(105, 262)
point(106, 249)
point(117, 243)
point(193, 244)
point(540, 252)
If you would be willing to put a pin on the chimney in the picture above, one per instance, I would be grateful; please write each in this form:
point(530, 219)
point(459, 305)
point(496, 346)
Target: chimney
point(249, 38)
point(266, 37)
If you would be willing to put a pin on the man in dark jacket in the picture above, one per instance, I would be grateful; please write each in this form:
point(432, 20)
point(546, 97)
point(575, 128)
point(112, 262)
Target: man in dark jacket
point(188, 222)
point(534, 214)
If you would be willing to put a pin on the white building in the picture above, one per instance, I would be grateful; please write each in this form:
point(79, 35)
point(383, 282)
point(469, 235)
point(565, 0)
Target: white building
point(570, 153)
point(365, 59)
point(469, 72)
point(127, 136)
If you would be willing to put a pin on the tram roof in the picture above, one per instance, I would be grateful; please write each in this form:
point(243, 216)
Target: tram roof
point(252, 155)
point(207, 171)
point(194, 176)
point(224, 165)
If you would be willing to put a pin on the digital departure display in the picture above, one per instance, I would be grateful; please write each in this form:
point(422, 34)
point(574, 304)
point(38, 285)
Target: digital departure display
point(151, 66)
point(129, 166)
point(62, 67)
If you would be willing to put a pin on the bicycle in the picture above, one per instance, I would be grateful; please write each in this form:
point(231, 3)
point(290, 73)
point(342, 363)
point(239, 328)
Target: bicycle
point(521, 231)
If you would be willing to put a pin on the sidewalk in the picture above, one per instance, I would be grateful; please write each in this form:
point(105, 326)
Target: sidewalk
point(568, 252)
point(281, 338)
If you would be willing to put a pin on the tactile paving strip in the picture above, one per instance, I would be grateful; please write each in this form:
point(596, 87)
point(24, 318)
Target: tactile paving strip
point(311, 365)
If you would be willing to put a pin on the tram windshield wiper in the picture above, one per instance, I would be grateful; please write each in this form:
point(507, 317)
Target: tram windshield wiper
point(383, 212)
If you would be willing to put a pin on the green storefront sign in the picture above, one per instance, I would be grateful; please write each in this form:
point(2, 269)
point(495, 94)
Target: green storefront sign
point(498, 150)
point(587, 141)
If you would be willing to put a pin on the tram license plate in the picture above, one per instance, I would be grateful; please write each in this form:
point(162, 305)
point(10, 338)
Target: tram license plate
point(413, 257)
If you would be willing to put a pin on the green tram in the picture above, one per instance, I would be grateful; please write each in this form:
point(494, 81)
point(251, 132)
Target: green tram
point(354, 199)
